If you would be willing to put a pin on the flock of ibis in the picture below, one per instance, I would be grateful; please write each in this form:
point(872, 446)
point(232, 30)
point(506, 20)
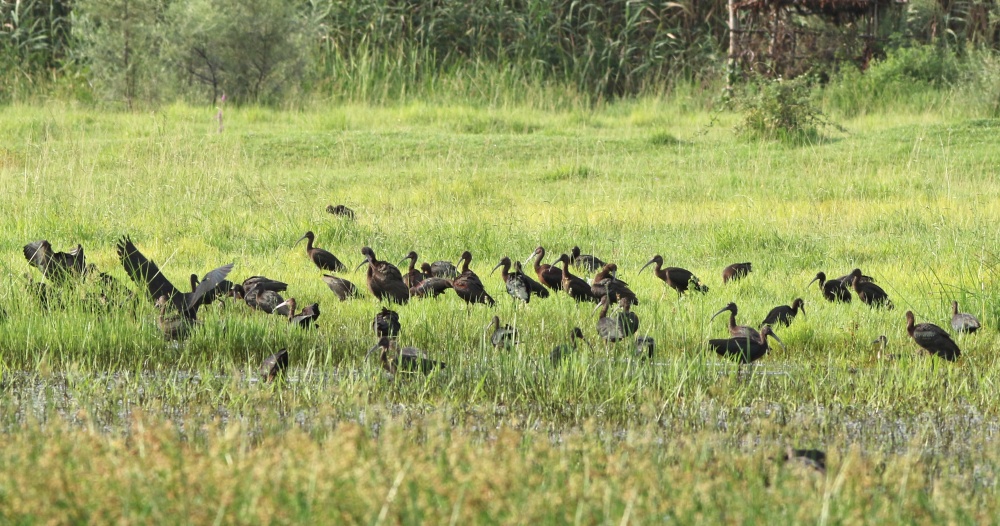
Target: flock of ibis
point(178, 310)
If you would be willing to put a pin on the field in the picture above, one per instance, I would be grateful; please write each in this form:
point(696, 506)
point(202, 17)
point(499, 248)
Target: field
point(104, 421)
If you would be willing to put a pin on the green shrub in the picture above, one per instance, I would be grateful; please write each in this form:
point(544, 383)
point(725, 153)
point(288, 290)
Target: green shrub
point(780, 109)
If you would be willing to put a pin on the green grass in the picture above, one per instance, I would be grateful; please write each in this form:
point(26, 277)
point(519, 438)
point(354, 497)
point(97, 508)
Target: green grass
point(92, 402)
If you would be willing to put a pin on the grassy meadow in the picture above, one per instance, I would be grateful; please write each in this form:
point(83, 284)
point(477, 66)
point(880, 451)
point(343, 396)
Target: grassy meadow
point(104, 421)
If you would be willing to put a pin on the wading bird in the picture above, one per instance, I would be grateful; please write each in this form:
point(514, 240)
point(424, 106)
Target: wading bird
point(645, 347)
point(432, 286)
point(810, 458)
point(783, 314)
point(606, 282)
point(386, 323)
point(305, 319)
point(440, 269)
point(563, 351)
point(384, 279)
point(413, 277)
point(962, 321)
point(468, 286)
point(261, 293)
point(274, 366)
point(932, 339)
point(833, 290)
point(55, 266)
point(548, 275)
point(868, 292)
point(608, 328)
point(503, 335)
point(516, 284)
point(736, 331)
point(344, 289)
point(677, 278)
point(406, 360)
point(321, 258)
point(745, 349)
point(575, 286)
point(144, 272)
point(587, 262)
point(340, 210)
point(736, 271)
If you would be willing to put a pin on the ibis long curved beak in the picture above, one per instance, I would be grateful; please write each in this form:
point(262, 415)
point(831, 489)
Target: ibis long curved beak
point(363, 263)
point(775, 336)
point(299, 241)
point(811, 282)
point(370, 351)
point(530, 257)
point(401, 261)
point(724, 309)
point(278, 306)
point(648, 263)
point(803, 308)
point(496, 267)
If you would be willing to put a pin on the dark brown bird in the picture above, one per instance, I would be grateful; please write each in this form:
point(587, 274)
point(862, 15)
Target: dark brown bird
point(406, 360)
point(564, 351)
point(321, 258)
point(344, 289)
point(222, 289)
point(441, 269)
point(519, 285)
point(783, 314)
point(834, 290)
point(305, 319)
point(384, 279)
point(587, 262)
point(627, 319)
point(386, 323)
point(55, 266)
point(810, 458)
point(413, 277)
point(932, 338)
point(606, 282)
point(962, 321)
point(575, 286)
point(340, 210)
point(737, 331)
point(677, 278)
point(173, 325)
point(645, 347)
point(736, 271)
point(274, 366)
point(548, 275)
point(261, 293)
point(467, 284)
point(608, 328)
point(746, 350)
point(144, 272)
point(432, 286)
point(868, 292)
point(503, 336)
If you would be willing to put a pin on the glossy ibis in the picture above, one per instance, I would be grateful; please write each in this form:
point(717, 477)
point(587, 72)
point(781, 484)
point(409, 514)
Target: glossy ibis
point(810, 458)
point(173, 325)
point(564, 351)
point(737, 331)
point(432, 287)
point(340, 210)
point(932, 338)
point(882, 342)
point(519, 285)
point(274, 366)
point(386, 323)
point(222, 289)
point(344, 289)
point(468, 286)
point(305, 319)
point(645, 347)
point(627, 319)
point(503, 335)
point(144, 272)
point(834, 290)
point(677, 278)
point(587, 262)
point(606, 282)
point(608, 328)
point(962, 321)
point(441, 269)
point(745, 349)
point(413, 277)
point(575, 286)
point(261, 293)
point(55, 266)
point(868, 292)
point(406, 360)
point(548, 275)
point(384, 279)
point(736, 271)
point(783, 314)
point(321, 258)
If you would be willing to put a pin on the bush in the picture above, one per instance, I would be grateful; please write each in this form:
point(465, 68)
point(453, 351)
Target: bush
point(780, 109)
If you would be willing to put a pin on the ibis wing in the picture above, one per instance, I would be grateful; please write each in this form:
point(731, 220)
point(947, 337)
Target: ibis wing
point(143, 271)
point(209, 282)
point(38, 253)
